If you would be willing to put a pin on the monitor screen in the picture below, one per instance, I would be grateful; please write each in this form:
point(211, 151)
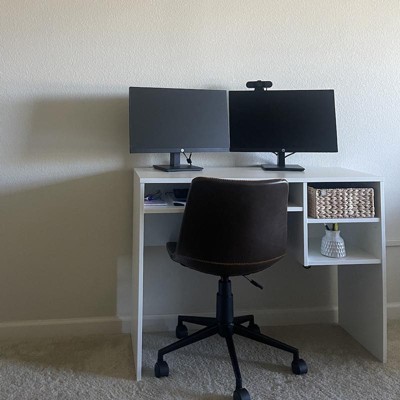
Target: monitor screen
point(282, 121)
point(171, 120)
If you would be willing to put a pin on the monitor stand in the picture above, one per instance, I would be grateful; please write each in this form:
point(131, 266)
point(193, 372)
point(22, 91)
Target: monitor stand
point(176, 166)
point(282, 166)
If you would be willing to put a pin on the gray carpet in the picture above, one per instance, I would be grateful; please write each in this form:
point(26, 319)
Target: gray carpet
point(99, 367)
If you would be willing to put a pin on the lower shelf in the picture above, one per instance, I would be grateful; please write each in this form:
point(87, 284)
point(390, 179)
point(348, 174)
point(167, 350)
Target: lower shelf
point(354, 256)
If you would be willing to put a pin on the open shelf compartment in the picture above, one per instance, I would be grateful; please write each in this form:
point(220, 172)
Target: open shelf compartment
point(355, 256)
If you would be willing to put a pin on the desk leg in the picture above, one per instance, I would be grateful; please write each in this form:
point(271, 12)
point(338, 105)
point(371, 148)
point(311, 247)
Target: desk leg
point(137, 275)
point(362, 306)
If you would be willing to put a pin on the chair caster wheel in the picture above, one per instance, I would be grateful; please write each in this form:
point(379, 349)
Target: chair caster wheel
point(254, 328)
point(161, 369)
point(241, 394)
point(299, 367)
point(181, 331)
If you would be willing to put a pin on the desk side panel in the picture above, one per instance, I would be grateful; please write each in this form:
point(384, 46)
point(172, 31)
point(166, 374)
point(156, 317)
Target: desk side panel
point(363, 294)
point(137, 274)
point(361, 306)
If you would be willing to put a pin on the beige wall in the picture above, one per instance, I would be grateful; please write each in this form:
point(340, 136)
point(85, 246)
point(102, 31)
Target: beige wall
point(65, 69)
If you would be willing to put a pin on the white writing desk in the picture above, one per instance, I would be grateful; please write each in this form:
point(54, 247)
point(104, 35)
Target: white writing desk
point(361, 274)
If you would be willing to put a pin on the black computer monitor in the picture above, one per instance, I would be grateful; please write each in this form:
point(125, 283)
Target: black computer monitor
point(177, 121)
point(281, 121)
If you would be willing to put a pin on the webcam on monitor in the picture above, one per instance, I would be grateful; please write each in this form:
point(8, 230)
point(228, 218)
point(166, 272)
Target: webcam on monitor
point(259, 85)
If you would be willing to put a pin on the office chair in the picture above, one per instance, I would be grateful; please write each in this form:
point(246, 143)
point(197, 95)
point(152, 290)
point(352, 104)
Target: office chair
point(230, 228)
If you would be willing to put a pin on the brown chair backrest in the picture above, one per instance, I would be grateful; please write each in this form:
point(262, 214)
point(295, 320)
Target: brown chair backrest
point(233, 227)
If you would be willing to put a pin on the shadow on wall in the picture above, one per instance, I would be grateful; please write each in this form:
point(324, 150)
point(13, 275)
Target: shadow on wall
point(60, 246)
point(79, 128)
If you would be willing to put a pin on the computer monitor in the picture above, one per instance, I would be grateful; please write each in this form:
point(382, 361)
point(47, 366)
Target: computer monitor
point(281, 121)
point(178, 121)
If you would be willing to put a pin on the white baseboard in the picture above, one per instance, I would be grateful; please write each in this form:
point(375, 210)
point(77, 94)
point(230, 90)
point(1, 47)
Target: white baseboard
point(125, 324)
point(393, 310)
point(393, 243)
point(297, 316)
point(324, 315)
point(160, 323)
point(59, 327)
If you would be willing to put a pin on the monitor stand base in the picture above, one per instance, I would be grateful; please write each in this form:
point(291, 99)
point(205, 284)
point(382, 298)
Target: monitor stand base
point(178, 168)
point(175, 164)
point(281, 164)
point(286, 167)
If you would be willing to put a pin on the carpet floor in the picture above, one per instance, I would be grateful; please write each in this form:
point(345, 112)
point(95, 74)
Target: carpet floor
point(100, 367)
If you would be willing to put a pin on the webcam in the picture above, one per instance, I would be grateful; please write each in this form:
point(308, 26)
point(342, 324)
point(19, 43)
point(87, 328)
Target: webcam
point(259, 85)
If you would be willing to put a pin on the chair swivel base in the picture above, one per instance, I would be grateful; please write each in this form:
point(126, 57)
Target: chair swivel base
point(226, 326)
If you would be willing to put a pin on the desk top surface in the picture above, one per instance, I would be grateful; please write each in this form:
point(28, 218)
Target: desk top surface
point(311, 174)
